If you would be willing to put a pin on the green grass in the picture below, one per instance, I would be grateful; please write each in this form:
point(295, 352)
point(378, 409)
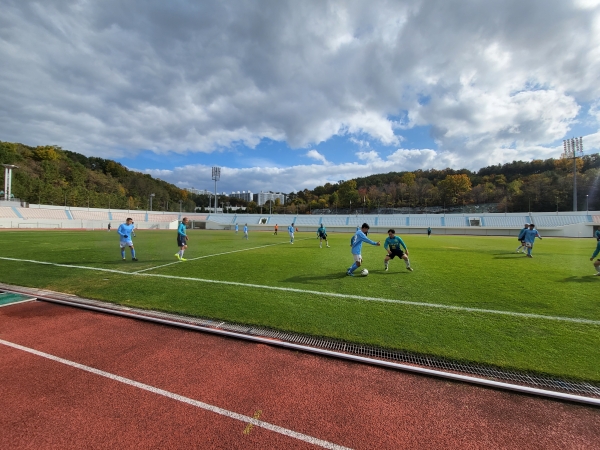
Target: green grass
point(461, 271)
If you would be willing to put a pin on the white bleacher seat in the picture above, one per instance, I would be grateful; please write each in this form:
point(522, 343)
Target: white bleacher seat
point(7, 213)
point(89, 215)
point(162, 217)
point(41, 213)
point(308, 221)
point(505, 221)
point(455, 221)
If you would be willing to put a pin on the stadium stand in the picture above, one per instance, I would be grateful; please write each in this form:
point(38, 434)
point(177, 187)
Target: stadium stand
point(596, 219)
point(557, 221)
point(334, 221)
point(424, 221)
point(308, 221)
point(8, 213)
point(41, 213)
point(456, 221)
point(227, 219)
point(162, 217)
point(505, 222)
point(90, 215)
point(122, 216)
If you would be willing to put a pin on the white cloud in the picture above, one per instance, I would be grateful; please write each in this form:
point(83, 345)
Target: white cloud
point(493, 80)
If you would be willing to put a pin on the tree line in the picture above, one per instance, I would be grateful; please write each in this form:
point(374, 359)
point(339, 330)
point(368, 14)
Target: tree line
point(51, 175)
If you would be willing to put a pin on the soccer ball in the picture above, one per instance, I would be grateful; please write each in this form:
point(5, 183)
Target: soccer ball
point(364, 272)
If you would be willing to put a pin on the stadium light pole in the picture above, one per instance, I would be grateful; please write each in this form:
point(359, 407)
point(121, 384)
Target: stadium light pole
point(8, 168)
point(557, 205)
point(151, 195)
point(216, 175)
point(587, 203)
point(180, 203)
point(573, 148)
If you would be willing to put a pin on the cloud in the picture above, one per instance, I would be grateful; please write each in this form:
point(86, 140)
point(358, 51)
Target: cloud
point(316, 155)
point(492, 80)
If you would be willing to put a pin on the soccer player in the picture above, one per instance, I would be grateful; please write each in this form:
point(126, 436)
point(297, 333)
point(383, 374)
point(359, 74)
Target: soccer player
point(291, 233)
point(392, 244)
point(124, 232)
point(182, 239)
point(237, 228)
point(322, 234)
point(521, 238)
point(529, 237)
point(246, 231)
point(276, 228)
point(356, 244)
point(428, 231)
point(596, 252)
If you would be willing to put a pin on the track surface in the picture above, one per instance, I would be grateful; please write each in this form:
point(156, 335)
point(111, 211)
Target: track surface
point(48, 404)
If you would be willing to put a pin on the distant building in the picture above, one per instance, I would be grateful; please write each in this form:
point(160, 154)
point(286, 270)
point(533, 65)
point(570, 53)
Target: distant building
point(264, 197)
point(199, 191)
point(246, 196)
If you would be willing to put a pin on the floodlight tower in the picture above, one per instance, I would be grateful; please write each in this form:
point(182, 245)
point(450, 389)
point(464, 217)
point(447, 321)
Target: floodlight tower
point(573, 148)
point(216, 175)
point(8, 179)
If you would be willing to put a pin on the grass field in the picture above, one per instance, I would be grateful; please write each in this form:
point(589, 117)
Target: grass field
point(470, 299)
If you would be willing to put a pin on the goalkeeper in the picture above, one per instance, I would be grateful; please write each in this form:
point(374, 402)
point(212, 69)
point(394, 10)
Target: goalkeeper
point(124, 231)
point(322, 234)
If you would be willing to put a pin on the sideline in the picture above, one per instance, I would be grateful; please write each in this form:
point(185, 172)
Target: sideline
point(328, 294)
point(180, 398)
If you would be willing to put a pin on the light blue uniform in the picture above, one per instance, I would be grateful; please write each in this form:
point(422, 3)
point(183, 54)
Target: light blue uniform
point(529, 237)
point(357, 241)
point(125, 231)
point(236, 228)
point(291, 233)
point(245, 231)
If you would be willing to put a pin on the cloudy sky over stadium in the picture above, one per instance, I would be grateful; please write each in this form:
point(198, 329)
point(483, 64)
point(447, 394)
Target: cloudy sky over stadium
point(286, 95)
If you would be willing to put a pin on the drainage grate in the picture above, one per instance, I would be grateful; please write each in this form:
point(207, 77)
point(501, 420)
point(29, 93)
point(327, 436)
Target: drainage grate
point(424, 361)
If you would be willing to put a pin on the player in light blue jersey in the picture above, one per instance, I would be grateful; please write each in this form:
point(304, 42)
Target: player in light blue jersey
point(246, 231)
point(291, 233)
point(182, 239)
point(521, 238)
point(596, 252)
point(322, 234)
point(237, 228)
point(392, 244)
point(529, 237)
point(356, 245)
point(124, 231)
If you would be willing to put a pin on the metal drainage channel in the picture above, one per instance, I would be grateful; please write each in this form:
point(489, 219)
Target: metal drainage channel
point(581, 392)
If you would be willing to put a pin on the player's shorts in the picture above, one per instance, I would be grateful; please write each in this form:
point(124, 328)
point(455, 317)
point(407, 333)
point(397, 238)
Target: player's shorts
point(126, 243)
point(181, 241)
point(357, 258)
point(523, 243)
point(323, 235)
point(398, 253)
point(529, 244)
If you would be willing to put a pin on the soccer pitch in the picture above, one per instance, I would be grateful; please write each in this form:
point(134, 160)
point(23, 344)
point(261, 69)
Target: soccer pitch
point(470, 298)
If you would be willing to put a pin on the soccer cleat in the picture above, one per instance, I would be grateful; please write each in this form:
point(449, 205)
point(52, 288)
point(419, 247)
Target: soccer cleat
point(134, 259)
point(124, 259)
point(529, 256)
point(350, 274)
point(177, 256)
point(597, 273)
point(327, 245)
point(409, 269)
point(182, 259)
point(386, 268)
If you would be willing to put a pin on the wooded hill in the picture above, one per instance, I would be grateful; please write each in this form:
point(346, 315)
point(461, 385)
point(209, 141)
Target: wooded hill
point(51, 175)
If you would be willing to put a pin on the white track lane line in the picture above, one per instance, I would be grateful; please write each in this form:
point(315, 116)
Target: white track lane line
point(180, 398)
point(330, 294)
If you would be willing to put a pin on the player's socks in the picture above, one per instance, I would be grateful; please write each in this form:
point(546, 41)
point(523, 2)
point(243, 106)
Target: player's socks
point(353, 268)
point(133, 253)
point(123, 254)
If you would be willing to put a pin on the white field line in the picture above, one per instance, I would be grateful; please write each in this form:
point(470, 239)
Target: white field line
point(180, 398)
point(214, 254)
point(331, 294)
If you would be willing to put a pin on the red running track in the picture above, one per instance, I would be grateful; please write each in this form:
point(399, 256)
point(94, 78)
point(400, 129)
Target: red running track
point(45, 403)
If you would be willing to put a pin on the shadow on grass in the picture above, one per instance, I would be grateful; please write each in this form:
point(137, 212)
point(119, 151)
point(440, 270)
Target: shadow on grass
point(582, 279)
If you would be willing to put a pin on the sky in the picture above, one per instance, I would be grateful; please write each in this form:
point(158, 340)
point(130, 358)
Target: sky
point(286, 95)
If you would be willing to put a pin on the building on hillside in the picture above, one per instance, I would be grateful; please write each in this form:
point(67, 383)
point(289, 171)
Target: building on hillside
point(246, 196)
point(263, 197)
point(199, 191)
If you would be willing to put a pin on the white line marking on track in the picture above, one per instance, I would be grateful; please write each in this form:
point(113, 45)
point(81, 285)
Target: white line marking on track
point(180, 398)
point(331, 294)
